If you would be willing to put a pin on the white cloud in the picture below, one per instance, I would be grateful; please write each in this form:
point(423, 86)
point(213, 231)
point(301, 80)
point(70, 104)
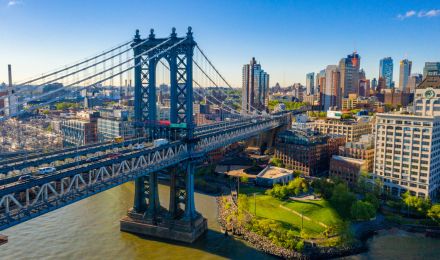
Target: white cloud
point(408, 14)
point(420, 14)
point(14, 2)
point(430, 13)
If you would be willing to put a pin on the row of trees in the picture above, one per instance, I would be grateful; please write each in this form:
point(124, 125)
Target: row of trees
point(66, 105)
point(417, 206)
point(290, 105)
point(345, 202)
point(294, 188)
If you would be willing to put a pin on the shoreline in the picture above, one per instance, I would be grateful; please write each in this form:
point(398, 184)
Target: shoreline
point(365, 231)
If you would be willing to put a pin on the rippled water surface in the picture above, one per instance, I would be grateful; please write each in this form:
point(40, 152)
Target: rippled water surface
point(89, 229)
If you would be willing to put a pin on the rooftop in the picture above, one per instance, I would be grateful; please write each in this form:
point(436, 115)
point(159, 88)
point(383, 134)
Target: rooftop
point(272, 172)
point(348, 159)
point(430, 82)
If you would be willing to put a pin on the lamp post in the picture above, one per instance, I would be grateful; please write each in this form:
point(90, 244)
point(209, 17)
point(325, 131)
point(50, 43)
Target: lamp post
point(255, 204)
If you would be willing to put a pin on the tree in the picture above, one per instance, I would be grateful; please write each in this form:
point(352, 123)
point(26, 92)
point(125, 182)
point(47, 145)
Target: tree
point(362, 183)
point(346, 116)
point(277, 162)
point(417, 204)
point(373, 200)
point(434, 213)
point(362, 210)
point(342, 199)
point(244, 179)
point(323, 188)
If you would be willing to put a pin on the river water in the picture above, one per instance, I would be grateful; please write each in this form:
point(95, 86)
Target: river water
point(89, 229)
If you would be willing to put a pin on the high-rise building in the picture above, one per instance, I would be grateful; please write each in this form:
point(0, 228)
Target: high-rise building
point(331, 93)
point(320, 81)
point(255, 88)
point(431, 69)
point(364, 88)
point(349, 73)
point(386, 71)
point(310, 81)
point(407, 145)
point(405, 72)
point(374, 84)
point(413, 81)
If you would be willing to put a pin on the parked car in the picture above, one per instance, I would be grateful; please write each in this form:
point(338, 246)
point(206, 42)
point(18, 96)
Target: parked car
point(25, 177)
point(46, 170)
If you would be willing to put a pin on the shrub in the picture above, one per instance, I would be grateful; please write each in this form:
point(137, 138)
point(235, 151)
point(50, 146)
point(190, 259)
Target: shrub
point(361, 210)
point(300, 246)
point(434, 212)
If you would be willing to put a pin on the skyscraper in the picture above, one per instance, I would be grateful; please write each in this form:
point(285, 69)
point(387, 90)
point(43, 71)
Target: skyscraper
point(431, 69)
point(320, 81)
point(386, 71)
point(374, 84)
point(405, 72)
point(310, 81)
point(349, 71)
point(255, 88)
point(332, 92)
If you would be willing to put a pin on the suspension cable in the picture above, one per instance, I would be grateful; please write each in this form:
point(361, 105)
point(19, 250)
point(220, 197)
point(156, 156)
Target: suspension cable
point(220, 102)
point(94, 75)
point(100, 81)
point(77, 64)
point(221, 76)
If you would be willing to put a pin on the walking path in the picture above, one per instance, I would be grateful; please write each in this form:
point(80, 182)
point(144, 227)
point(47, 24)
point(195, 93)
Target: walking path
point(302, 215)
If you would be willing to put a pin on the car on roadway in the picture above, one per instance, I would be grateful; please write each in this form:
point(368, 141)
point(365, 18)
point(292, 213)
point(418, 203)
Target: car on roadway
point(25, 177)
point(92, 159)
point(114, 155)
point(46, 170)
point(138, 146)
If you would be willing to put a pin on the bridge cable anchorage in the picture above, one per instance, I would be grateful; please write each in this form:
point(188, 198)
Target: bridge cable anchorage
point(221, 76)
point(195, 91)
point(93, 76)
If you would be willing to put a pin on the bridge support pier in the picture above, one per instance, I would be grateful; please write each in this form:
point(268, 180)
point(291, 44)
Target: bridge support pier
point(175, 224)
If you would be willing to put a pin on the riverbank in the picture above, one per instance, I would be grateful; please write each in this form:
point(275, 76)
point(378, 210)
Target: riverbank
point(226, 208)
point(363, 232)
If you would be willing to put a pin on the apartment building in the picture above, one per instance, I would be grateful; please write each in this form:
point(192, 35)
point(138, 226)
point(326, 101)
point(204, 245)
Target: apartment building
point(408, 145)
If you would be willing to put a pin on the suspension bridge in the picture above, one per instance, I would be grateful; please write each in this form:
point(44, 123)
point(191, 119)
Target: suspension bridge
point(84, 171)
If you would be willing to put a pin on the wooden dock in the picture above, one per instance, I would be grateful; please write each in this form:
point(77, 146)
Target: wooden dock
point(3, 239)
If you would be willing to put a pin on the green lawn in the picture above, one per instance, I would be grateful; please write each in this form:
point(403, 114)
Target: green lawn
point(269, 207)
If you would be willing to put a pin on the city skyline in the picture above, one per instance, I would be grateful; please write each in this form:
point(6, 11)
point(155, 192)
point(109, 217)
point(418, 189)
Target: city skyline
point(302, 45)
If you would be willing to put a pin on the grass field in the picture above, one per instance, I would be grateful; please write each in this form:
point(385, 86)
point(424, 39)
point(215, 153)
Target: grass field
point(316, 210)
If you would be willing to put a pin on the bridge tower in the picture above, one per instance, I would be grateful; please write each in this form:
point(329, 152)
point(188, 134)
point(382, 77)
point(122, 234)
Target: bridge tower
point(147, 217)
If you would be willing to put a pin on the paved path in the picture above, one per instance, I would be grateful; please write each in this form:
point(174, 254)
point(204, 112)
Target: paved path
point(302, 215)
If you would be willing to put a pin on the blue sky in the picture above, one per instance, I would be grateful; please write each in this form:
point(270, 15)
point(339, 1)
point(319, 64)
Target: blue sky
point(289, 38)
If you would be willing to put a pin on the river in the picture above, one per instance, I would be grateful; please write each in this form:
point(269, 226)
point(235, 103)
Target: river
point(89, 229)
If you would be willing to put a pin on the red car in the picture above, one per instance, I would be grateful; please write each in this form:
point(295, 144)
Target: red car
point(114, 155)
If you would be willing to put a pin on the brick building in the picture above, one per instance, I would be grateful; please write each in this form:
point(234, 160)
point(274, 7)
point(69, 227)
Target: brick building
point(307, 151)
